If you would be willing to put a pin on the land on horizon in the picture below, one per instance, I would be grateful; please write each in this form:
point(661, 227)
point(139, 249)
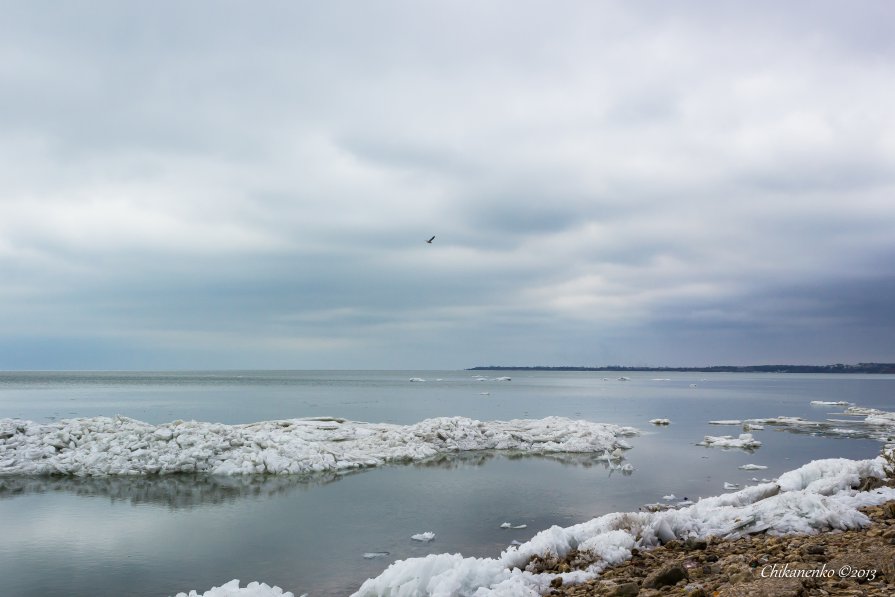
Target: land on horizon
point(837, 368)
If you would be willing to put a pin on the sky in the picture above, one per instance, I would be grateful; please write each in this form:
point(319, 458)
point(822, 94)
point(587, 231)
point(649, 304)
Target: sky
point(229, 185)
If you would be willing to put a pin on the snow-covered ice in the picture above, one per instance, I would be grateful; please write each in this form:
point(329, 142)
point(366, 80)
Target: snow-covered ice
point(122, 446)
point(744, 441)
point(728, 486)
point(753, 467)
point(660, 421)
point(727, 422)
point(816, 497)
point(232, 589)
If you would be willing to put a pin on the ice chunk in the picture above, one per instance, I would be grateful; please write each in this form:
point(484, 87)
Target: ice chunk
point(660, 421)
point(727, 422)
point(744, 441)
point(752, 467)
point(424, 537)
point(416, 379)
point(231, 589)
point(729, 486)
point(370, 555)
point(828, 403)
point(669, 497)
point(102, 446)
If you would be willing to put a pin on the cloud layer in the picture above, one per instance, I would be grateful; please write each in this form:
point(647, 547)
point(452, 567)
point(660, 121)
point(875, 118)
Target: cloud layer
point(224, 185)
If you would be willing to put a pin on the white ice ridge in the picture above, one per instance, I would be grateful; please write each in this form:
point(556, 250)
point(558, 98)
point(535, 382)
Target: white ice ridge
point(231, 589)
point(122, 446)
point(816, 497)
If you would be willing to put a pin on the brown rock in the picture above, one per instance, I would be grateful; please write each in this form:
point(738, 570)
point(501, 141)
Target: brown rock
point(665, 576)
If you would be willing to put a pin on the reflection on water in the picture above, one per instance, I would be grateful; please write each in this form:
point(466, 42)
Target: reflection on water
point(185, 491)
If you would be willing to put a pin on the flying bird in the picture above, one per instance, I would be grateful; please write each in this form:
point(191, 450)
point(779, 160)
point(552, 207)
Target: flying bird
point(430, 240)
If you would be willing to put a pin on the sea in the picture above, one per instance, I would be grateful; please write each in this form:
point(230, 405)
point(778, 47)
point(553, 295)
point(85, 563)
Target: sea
point(325, 534)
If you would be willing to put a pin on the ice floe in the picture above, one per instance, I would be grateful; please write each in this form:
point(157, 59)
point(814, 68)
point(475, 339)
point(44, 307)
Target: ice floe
point(728, 486)
point(660, 421)
point(819, 496)
point(232, 589)
point(372, 555)
point(510, 525)
point(753, 467)
point(744, 441)
point(122, 446)
point(861, 421)
point(727, 422)
point(829, 403)
point(424, 537)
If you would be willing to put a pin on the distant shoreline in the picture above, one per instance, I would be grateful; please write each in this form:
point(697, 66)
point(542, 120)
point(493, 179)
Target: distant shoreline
point(837, 368)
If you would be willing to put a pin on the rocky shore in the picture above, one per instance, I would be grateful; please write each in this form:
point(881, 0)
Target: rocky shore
point(834, 563)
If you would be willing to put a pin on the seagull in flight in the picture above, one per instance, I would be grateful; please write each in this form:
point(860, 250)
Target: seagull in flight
point(430, 240)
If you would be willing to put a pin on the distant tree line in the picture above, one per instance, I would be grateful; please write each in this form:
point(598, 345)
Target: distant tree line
point(837, 368)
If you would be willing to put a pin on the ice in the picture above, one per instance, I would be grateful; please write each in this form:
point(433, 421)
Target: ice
point(729, 486)
point(669, 497)
point(103, 446)
point(371, 555)
point(744, 441)
point(727, 422)
point(817, 497)
point(753, 467)
point(424, 537)
point(231, 589)
point(660, 421)
point(509, 525)
point(876, 424)
point(416, 379)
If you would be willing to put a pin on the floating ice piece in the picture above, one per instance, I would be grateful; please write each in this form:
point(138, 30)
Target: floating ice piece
point(753, 467)
point(887, 419)
point(506, 525)
point(103, 446)
point(370, 555)
point(744, 441)
point(828, 403)
point(747, 426)
point(660, 421)
point(816, 497)
point(503, 379)
point(661, 379)
point(416, 379)
point(729, 486)
point(424, 537)
point(484, 393)
point(669, 497)
point(231, 589)
point(623, 378)
point(692, 385)
point(726, 422)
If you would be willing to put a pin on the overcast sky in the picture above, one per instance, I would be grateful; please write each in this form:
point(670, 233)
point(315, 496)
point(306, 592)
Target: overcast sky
point(251, 184)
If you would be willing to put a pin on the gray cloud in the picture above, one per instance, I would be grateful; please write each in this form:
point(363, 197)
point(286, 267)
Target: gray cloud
point(224, 185)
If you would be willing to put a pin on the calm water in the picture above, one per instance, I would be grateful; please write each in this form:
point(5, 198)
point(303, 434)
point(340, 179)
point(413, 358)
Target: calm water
point(158, 536)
